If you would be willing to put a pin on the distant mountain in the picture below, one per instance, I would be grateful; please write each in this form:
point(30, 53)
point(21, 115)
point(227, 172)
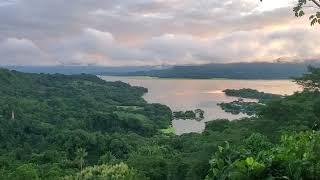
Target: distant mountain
point(95, 70)
point(232, 71)
point(263, 70)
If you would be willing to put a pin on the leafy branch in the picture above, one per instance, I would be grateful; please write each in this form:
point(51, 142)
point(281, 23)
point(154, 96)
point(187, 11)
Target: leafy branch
point(299, 10)
point(302, 4)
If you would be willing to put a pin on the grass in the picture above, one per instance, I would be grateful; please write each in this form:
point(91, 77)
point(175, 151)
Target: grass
point(169, 130)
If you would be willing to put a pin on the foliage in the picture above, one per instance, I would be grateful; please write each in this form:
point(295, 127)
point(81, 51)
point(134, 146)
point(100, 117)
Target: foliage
point(299, 10)
point(296, 157)
point(240, 106)
point(197, 114)
point(249, 108)
point(310, 81)
point(64, 123)
point(81, 154)
point(251, 94)
point(110, 172)
point(24, 172)
point(170, 130)
point(67, 123)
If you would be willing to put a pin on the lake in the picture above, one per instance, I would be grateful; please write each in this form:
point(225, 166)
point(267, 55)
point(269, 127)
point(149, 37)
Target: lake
point(191, 94)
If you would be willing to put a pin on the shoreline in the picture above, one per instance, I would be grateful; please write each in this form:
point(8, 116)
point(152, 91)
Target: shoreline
point(173, 78)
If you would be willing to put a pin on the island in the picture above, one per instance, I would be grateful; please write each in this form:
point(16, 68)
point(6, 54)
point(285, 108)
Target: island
point(244, 106)
point(197, 114)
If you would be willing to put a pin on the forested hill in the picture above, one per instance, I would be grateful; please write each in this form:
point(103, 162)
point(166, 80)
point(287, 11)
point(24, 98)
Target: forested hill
point(231, 71)
point(46, 119)
point(79, 101)
point(79, 69)
point(81, 127)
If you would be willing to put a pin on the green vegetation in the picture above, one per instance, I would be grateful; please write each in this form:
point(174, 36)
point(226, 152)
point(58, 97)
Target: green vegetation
point(249, 108)
point(81, 127)
point(112, 172)
point(240, 106)
point(55, 125)
point(251, 94)
point(169, 130)
point(296, 156)
point(197, 114)
point(310, 81)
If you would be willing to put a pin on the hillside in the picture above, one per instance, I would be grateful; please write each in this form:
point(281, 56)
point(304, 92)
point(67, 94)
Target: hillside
point(207, 71)
point(81, 127)
point(46, 118)
point(230, 71)
point(79, 69)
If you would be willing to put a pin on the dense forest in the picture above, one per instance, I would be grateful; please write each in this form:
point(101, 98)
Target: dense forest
point(253, 70)
point(81, 127)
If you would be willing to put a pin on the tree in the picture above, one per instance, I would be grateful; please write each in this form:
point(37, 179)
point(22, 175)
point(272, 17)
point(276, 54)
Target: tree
point(295, 157)
point(299, 10)
point(81, 154)
point(107, 158)
point(199, 114)
point(242, 162)
point(311, 80)
point(25, 172)
point(111, 172)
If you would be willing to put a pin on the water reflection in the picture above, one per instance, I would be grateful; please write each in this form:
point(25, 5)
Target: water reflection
point(191, 94)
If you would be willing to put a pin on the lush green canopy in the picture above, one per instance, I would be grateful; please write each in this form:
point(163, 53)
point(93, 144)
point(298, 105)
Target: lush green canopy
point(81, 126)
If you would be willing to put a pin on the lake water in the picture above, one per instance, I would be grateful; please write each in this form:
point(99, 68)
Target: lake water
point(191, 94)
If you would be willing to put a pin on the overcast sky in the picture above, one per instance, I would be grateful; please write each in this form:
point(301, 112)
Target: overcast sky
point(152, 32)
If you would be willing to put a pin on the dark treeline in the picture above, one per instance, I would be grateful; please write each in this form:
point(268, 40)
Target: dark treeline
point(230, 71)
point(81, 127)
point(197, 114)
point(251, 94)
point(254, 70)
point(240, 106)
point(78, 69)
point(243, 106)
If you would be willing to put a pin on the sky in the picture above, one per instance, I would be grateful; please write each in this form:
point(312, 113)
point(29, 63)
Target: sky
point(153, 32)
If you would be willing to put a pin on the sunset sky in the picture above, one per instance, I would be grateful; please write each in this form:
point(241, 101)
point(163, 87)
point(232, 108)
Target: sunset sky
point(152, 32)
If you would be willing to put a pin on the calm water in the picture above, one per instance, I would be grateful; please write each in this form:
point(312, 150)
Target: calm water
point(190, 94)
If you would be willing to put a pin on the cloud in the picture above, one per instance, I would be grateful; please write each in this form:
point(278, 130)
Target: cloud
point(22, 51)
point(93, 46)
point(151, 32)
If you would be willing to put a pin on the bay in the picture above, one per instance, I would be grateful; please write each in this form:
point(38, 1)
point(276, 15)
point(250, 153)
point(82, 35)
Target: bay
point(191, 94)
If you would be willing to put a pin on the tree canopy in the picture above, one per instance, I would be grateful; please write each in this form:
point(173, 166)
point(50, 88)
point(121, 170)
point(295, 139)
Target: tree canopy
point(81, 127)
